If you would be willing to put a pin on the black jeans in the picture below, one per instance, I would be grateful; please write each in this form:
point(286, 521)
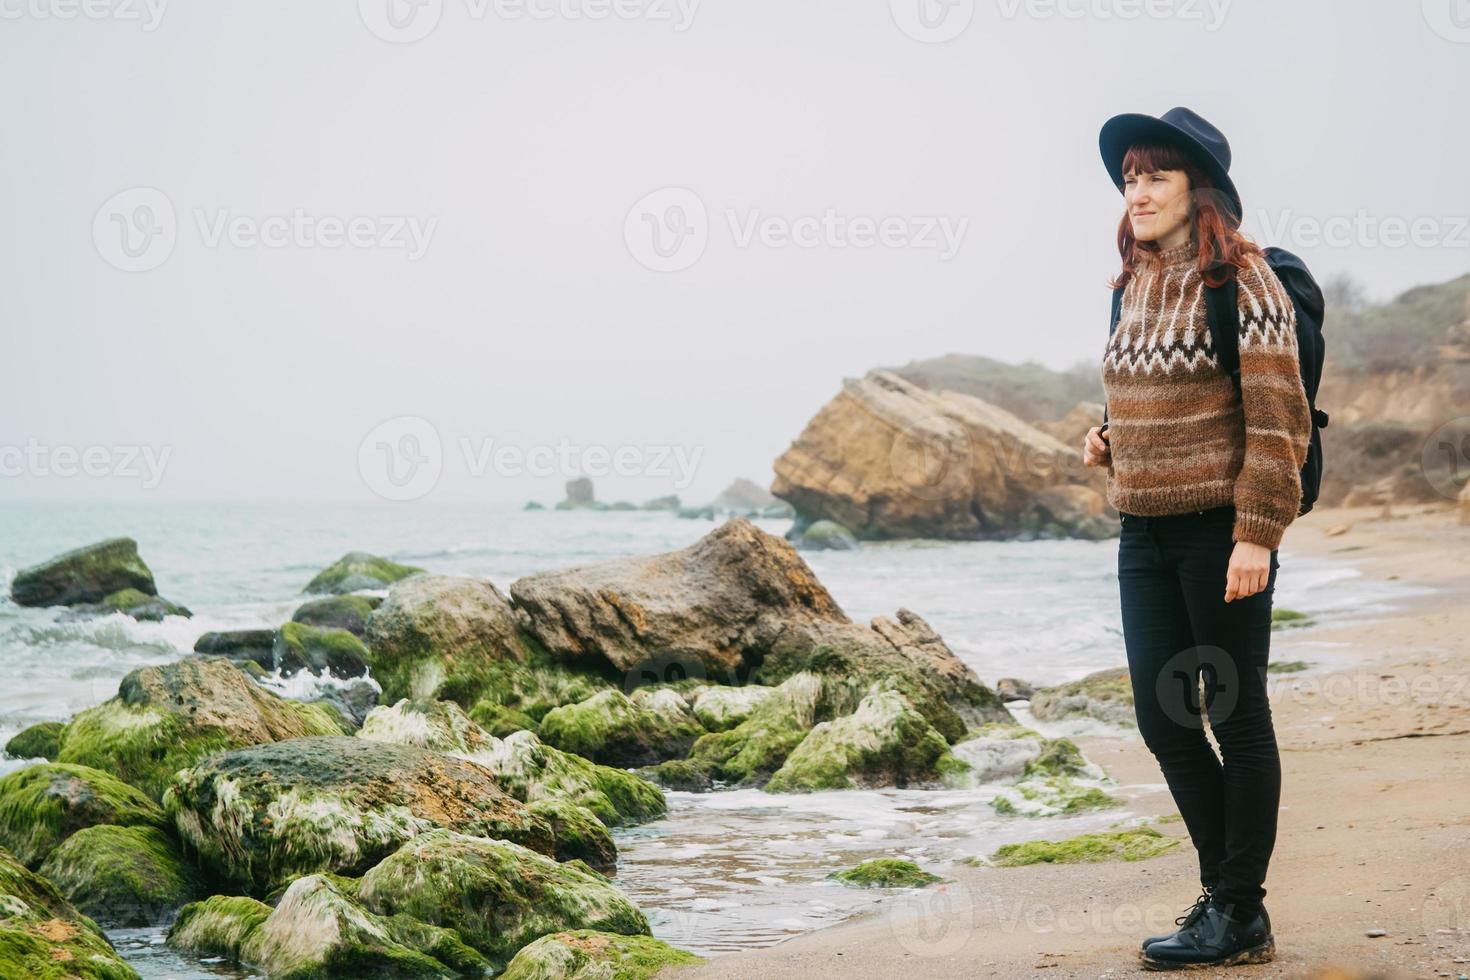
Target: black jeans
point(1178, 628)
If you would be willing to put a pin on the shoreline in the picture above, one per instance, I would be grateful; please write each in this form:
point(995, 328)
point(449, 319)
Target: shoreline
point(1365, 740)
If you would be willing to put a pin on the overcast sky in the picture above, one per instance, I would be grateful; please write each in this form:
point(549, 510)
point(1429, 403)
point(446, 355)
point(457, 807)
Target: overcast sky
point(277, 249)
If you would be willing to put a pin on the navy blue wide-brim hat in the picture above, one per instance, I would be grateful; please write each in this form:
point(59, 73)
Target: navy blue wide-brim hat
point(1180, 126)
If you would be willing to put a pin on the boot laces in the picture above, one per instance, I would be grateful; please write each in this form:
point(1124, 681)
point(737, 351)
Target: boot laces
point(1198, 908)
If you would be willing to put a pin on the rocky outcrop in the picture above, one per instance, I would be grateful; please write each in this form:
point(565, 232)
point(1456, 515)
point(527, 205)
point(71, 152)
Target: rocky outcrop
point(338, 612)
point(710, 608)
point(887, 459)
point(613, 729)
point(123, 877)
point(587, 955)
point(443, 637)
point(43, 805)
point(87, 574)
point(260, 815)
point(166, 718)
point(358, 570)
point(1106, 695)
point(42, 935)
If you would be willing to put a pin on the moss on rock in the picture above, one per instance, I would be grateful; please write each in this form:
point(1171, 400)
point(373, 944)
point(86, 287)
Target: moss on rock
point(613, 729)
point(166, 718)
point(1106, 695)
point(720, 709)
point(217, 926)
point(44, 804)
point(319, 651)
point(257, 816)
point(587, 955)
point(358, 570)
point(579, 834)
point(885, 742)
point(500, 721)
point(496, 895)
point(885, 873)
point(43, 936)
point(1046, 796)
point(123, 877)
point(749, 753)
point(1282, 618)
point(1126, 845)
point(39, 741)
point(340, 612)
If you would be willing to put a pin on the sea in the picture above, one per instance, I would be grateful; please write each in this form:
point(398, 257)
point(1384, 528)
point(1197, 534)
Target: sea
point(724, 871)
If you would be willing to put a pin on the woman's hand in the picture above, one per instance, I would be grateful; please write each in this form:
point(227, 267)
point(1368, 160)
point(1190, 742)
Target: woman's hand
point(1250, 567)
point(1095, 449)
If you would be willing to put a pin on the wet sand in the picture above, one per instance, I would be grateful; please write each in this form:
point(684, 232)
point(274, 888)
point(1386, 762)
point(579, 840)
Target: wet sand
point(1374, 830)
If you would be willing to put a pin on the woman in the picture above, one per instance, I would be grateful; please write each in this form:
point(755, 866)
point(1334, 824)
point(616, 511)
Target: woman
point(1205, 475)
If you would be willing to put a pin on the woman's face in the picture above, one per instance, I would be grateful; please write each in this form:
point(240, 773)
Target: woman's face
point(1158, 205)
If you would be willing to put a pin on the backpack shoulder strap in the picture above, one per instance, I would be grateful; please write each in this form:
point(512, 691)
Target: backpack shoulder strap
point(1117, 310)
point(1223, 313)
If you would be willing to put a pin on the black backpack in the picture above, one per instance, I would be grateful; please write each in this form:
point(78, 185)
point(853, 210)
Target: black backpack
point(1223, 315)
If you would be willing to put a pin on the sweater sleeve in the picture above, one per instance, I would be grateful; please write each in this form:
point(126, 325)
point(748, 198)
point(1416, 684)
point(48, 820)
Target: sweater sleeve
point(1278, 424)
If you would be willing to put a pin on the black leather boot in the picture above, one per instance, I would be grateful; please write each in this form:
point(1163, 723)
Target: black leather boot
point(1214, 939)
point(1190, 914)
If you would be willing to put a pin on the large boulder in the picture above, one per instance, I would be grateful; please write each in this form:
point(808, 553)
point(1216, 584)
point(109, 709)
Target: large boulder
point(87, 574)
point(42, 935)
point(888, 459)
point(317, 931)
point(587, 955)
point(458, 639)
point(166, 718)
point(710, 608)
point(123, 877)
point(496, 895)
point(257, 816)
point(523, 766)
point(43, 805)
point(339, 612)
point(613, 729)
point(885, 742)
point(358, 570)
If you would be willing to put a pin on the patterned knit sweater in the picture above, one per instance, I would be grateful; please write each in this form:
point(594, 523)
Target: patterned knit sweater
point(1181, 436)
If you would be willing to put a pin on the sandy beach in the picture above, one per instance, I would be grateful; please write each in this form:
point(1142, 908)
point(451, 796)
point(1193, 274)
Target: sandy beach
point(1370, 877)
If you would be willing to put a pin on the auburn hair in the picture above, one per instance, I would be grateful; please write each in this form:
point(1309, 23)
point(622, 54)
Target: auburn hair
point(1214, 224)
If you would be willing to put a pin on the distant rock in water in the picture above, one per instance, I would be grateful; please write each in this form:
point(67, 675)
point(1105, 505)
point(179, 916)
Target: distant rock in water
point(745, 497)
point(239, 646)
point(96, 580)
point(341, 612)
point(579, 494)
point(887, 459)
point(671, 502)
point(358, 570)
point(823, 535)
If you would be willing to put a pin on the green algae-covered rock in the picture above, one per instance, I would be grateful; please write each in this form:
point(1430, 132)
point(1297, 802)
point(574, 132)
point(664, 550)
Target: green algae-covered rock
point(749, 753)
point(523, 766)
point(496, 895)
point(259, 815)
point(358, 570)
point(587, 955)
point(39, 741)
point(579, 834)
point(1125, 845)
point(1283, 618)
point(240, 646)
point(166, 718)
point(500, 721)
point(42, 935)
point(319, 651)
point(44, 804)
point(87, 574)
point(885, 742)
point(611, 728)
point(885, 873)
point(458, 639)
point(1046, 796)
point(130, 602)
point(319, 931)
point(123, 877)
point(1106, 695)
point(720, 709)
point(339, 612)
